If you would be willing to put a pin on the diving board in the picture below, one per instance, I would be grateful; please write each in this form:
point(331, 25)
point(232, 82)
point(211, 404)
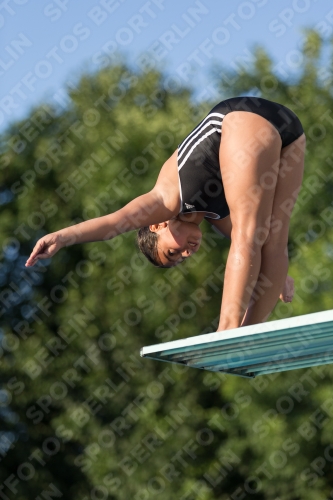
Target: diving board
point(276, 346)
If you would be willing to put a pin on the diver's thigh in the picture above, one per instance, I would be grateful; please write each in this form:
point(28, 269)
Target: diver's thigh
point(289, 182)
point(249, 160)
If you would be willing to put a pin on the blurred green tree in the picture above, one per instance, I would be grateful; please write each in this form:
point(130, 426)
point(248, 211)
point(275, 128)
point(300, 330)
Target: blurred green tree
point(83, 416)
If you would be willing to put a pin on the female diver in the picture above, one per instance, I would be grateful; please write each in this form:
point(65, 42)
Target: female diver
point(240, 169)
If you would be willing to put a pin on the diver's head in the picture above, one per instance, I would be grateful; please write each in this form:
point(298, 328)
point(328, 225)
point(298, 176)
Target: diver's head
point(169, 243)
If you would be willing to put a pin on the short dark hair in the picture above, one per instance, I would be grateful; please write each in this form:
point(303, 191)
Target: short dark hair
point(147, 243)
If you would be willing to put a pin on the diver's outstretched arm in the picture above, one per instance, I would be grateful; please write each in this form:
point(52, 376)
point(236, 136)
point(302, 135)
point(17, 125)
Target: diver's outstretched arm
point(142, 211)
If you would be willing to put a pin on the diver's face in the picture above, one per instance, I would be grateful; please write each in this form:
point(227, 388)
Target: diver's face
point(177, 240)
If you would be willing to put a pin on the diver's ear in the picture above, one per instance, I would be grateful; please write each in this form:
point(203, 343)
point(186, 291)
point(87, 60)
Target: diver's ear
point(154, 228)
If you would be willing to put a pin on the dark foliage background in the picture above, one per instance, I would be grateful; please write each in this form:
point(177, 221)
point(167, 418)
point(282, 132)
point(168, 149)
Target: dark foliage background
point(83, 416)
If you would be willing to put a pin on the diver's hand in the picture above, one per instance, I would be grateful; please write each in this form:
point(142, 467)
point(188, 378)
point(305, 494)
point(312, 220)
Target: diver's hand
point(288, 290)
point(45, 248)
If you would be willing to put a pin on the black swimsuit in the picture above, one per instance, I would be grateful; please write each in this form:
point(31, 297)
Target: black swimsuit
point(201, 187)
